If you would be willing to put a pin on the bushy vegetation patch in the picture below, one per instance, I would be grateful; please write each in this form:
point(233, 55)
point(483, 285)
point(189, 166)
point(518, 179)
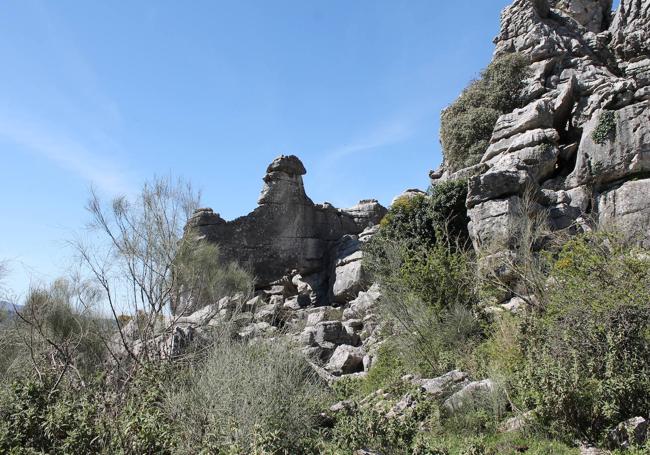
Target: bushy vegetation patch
point(466, 126)
point(369, 428)
point(422, 220)
point(578, 358)
point(606, 128)
point(588, 354)
point(57, 327)
point(490, 444)
point(410, 218)
point(240, 399)
point(424, 427)
point(48, 416)
point(421, 259)
point(258, 397)
point(428, 294)
point(202, 276)
point(576, 362)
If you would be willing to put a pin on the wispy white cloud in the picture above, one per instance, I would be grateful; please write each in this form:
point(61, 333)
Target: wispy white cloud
point(369, 142)
point(74, 122)
point(386, 134)
point(65, 151)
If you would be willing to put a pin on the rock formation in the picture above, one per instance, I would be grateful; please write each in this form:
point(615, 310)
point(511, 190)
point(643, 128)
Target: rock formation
point(579, 150)
point(582, 143)
point(289, 237)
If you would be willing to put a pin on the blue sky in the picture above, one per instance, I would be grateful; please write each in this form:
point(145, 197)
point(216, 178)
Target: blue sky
point(111, 93)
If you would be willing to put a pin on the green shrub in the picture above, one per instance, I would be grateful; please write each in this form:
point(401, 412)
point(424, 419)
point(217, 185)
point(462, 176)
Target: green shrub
point(466, 126)
point(12, 351)
point(202, 277)
point(410, 219)
point(421, 259)
point(588, 354)
point(429, 293)
point(387, 369)
point(370, 426)
point(54, 329)
point(606, 128)
point(449, 209)
point(422, 262)
point(440, 277)
point(246, 397)
point(488, 444)
point(45, 416)
point(423, 220)
point(500, 354)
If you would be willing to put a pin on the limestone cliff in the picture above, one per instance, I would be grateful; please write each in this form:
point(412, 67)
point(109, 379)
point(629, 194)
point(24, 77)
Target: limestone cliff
point(582, 143)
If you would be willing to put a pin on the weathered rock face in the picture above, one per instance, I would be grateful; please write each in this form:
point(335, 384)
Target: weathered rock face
point(581, 146)
point(626, 209)
point(289, 237)
point(630, 30)
point(593, 15)
point(366, 213)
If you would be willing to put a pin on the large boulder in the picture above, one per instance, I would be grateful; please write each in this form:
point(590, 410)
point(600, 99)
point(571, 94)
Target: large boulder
point(594, 15)
point(544, 29)
point(537, 114)
point(349, 275)
point(408, 194)
point(445, 385)
point(614, 145)
point(522, 140)
point(367, 213)
point(627, 208)
point(475, 395)
point(492, 222)
point(283, 182)
point(364, 304)
point(333, 332)
point(322, 314)
point(346, 359)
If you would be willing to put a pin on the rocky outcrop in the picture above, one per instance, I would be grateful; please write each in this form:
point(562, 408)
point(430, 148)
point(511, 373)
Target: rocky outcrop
point(580, 148)
point(288, 236)
point(626, 153)
point(626, 209)
point(408, 194)
point(630, 30)
point(311, 286)
point(367, 213)
point(444, 396)
point(337, 340)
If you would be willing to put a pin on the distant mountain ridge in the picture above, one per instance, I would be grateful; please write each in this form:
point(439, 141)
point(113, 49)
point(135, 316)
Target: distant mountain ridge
point(9, 307)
